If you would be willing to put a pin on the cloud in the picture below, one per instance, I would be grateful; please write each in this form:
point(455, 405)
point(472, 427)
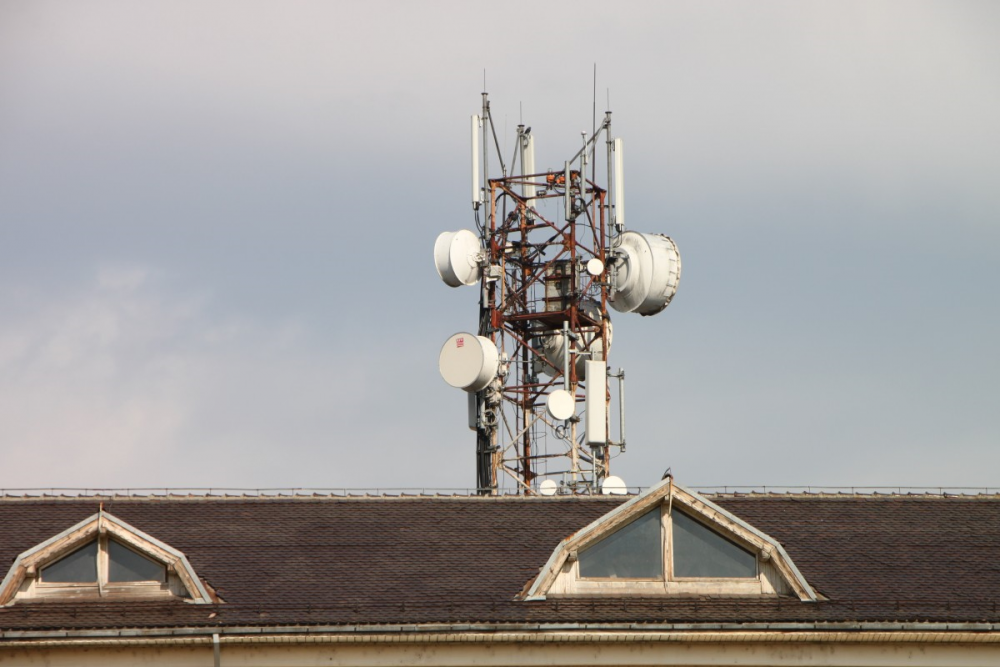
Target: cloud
point(123, 381)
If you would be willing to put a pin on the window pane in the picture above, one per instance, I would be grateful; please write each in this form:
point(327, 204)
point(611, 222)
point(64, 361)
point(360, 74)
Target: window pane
point(634, 552)
point(80, 567)
point(701, 552)
point(126, 565)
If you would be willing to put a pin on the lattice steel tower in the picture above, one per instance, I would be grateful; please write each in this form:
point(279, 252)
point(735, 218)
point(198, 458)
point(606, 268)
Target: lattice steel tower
point(550, 255)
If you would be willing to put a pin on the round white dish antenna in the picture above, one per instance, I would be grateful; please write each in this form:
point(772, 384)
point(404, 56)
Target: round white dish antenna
point(560, 404)
point(648, 272)
point(614, 486)
point(469, 362)
point(548, 487)
point(551, 346)
point(595, 267)
point(456, 257)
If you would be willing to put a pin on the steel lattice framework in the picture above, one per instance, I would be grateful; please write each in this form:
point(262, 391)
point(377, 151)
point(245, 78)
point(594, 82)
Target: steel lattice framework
point(544, 303)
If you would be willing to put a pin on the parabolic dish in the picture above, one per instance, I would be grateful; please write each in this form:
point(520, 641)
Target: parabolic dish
point(648, 272)
point(560, 404)
point(548, 487)
point(468, 361)
point(455, 257)
point(551, 345)
point(614, 486)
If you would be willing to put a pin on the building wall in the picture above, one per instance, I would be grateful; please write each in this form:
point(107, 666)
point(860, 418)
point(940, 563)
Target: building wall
point(292, 652)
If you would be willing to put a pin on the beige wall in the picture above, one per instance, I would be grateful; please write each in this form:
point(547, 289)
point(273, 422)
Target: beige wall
point(529, 654)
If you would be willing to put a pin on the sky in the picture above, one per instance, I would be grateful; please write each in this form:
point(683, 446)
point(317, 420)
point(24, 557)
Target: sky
point(217, 218)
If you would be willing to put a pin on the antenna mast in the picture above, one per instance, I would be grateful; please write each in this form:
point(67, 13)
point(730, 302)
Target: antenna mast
point(551, 255)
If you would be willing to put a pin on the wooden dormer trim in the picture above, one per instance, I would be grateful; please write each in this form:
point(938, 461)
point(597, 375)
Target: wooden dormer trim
point(29, 564)
point(561, 563)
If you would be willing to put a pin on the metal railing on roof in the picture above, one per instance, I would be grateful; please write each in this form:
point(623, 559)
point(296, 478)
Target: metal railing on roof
point(348, 492)
point(884, 490)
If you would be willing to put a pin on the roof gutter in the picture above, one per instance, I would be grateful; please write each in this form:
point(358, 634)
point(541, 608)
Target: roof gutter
point(514, 632)
point(713, 637)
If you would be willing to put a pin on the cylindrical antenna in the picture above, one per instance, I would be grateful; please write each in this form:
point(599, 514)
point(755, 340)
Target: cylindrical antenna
point(528, 165)
point(593, 149)
point(486, 147)
point(607, 201)
point(569, 195)
point(476, 194)
point(566, 355)
point(619, 184)
point(522, 142)
point(621, 407)
point(519, 149)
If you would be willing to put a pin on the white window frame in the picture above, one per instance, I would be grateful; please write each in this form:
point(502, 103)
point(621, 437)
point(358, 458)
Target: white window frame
point(667, 582)
point(24, 579)
point(776, 573)
point(103, 585)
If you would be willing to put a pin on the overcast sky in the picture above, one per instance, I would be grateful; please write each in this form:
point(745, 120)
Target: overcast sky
point(216, 223)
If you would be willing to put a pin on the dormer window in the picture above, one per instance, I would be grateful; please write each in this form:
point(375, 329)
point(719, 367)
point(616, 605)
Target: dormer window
point(103, 562)
point(80, 567)
point(669, 541)
point(699, 552)
point(102, 557)
point(668, 546)
point(634, 551)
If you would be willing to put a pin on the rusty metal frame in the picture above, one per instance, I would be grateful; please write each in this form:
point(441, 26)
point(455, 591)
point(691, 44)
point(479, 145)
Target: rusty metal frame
point(508, 315)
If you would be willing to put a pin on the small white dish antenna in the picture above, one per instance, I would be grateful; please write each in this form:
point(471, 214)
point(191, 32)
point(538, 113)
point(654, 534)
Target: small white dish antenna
point(456, 257)
point(595, 267)
point(469, 362)
point(560, 404)
point(614, 486)
point(553, 350)
point(548, 487)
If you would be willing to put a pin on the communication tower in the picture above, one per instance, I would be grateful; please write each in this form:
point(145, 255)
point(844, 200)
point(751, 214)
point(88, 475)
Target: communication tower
point(550, 255)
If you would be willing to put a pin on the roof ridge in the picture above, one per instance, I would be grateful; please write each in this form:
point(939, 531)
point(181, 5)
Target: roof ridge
point(7, 497)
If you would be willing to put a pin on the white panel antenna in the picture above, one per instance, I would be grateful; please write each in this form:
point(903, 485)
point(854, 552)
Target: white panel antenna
point(529, 166)
point(473, 413)
point(476, 194)
point(597, 403)
point(619, 181)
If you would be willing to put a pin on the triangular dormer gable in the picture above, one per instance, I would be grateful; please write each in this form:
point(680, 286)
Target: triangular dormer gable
point(669, 540)
point(124, 562)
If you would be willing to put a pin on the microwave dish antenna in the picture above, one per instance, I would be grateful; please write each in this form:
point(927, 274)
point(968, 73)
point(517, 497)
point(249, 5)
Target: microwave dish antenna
point(647, 271)
point(613, 486)
point(468, 361)
point(548, 487)
point(561, 405)
point(550, 258)
point(456, 258)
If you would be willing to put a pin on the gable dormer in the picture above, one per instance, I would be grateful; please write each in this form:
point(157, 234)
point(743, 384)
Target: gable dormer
point(669, 541)
point(102, 557)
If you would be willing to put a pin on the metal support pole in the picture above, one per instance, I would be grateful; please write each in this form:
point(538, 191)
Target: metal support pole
point(621, 408)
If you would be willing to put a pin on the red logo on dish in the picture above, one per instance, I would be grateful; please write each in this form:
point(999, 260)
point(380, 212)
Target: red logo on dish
point(460, 342)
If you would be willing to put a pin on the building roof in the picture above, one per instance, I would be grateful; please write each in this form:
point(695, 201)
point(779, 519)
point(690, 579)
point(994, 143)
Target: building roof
point(425, 560)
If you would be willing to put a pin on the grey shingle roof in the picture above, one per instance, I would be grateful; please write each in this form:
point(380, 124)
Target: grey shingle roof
point(332, 561)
